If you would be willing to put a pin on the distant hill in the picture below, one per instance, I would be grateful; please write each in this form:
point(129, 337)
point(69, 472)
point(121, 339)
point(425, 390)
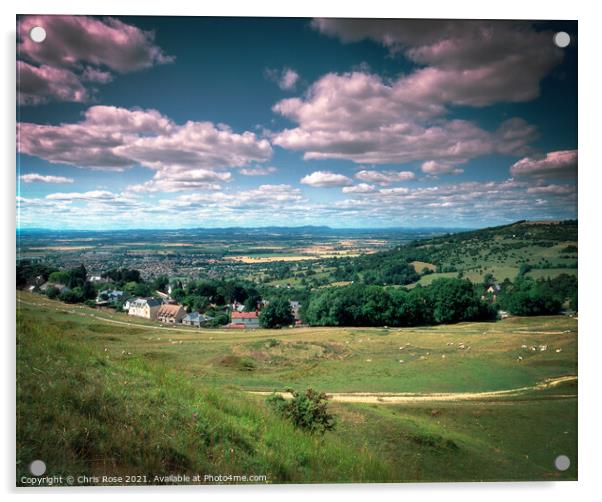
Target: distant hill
point(540, 248)
point(310, 230)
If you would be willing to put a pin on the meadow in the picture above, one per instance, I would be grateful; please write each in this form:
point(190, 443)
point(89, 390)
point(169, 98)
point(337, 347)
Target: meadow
point(113, 397)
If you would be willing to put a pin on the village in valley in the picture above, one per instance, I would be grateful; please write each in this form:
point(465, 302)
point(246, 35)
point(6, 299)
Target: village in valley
point(159, 306)
point(166, 310)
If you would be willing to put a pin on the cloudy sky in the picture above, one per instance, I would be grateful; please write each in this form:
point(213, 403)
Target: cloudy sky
point(153, 122)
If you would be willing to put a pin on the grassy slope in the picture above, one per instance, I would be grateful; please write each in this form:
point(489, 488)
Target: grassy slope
point(90, 413)
point(491, 250)
point(341, 359)
point(105, 411)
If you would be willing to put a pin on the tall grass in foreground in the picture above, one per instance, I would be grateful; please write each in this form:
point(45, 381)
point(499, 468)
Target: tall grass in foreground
point(84, 411)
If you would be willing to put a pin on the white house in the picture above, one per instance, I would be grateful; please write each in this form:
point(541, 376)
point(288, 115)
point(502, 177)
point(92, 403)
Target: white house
point(144, 307)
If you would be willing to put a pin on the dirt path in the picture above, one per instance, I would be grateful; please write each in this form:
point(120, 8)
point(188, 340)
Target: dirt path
point(411, 397)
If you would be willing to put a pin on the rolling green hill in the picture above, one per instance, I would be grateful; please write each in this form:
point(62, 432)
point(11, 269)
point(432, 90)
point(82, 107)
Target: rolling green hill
point(541, 249)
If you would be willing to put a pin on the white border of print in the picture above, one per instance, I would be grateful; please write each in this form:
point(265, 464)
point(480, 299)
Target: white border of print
point(590, 349)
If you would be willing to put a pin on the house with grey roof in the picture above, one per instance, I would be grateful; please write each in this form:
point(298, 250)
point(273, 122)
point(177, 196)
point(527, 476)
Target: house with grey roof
point(196, 319)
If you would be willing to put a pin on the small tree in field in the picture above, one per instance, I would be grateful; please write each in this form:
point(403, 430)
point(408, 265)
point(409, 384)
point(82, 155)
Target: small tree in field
point(276, 314)
point(308, 410)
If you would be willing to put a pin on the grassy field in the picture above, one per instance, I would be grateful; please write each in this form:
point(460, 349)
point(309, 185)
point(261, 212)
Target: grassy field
point(114, 398)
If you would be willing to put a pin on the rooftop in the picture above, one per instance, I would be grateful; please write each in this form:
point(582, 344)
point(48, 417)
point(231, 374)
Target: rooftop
point(244, 315)
point(169, 310)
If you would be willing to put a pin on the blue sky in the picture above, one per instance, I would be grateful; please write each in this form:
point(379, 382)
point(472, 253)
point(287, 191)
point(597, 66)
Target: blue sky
point(169, 122)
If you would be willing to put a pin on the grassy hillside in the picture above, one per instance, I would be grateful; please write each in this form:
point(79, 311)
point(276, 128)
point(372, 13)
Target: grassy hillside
point(87, 412)
point(547, 249)
point(98, 396)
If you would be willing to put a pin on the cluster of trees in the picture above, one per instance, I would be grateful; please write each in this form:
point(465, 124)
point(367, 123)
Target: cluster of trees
point(80, 289)
point(276, 314)
point(530, 297)
point(385, 268)
point(443, 301)
point(201, 294)
point(131, 281)
point(28, 272)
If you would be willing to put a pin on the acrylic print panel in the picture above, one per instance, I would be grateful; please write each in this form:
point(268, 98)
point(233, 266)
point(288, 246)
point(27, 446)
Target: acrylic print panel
point(285, 250)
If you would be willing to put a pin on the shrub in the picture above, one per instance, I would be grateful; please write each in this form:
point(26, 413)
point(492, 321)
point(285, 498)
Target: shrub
point(74, 295)
point(53, 292)
point(307, 411)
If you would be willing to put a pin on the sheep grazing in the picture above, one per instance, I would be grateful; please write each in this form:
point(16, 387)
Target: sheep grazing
point(523, 346)
point(442, 356)
point(401, 361)
point(543, 348)
point(368, 360)
point(558, 350)
point(519, 359)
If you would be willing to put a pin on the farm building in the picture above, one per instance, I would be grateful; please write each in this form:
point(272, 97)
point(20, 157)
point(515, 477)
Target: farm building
point(196, 319)
point(144, 307)
point(245, 320)
point(170, 314)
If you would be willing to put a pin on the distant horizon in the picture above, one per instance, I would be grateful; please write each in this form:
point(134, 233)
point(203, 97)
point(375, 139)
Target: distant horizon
point(290, 227)
point(240, 227)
